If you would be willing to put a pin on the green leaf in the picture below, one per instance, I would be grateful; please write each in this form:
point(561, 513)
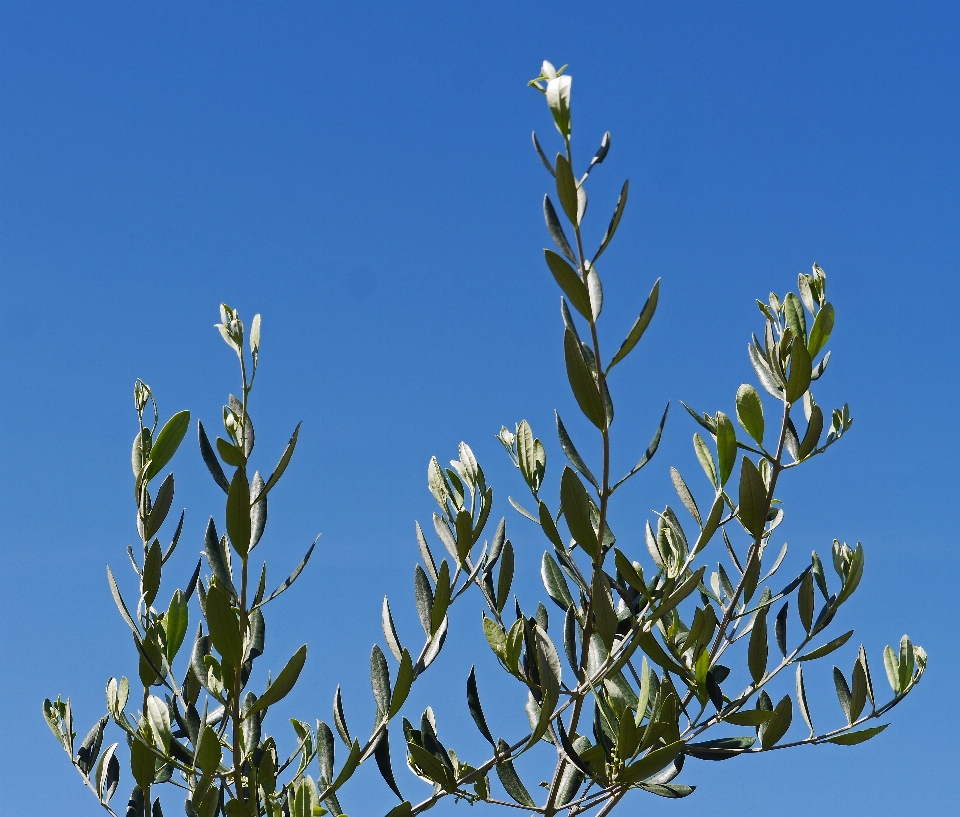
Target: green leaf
point(430, 766)
point(161, 507)
point(843, 693)
point(780, 628)
point(441, 600)
point(142, 763)
point(711, 525)
point(496, 637)
point(238, 512)
point(423, 595)
point(543, 158)
point(476, 711)
point(750, 412)
point(794, 315)
point(216, 559)
point(566, 188)
point(402, 687)
point(821, 330)
point(284, 462)
point(639, 326)
point(679, 594)
point(726, 446)
point(349, 767)
point(757, 653)
point(224, 626)
point(283, 684)
point(390, 630)
point(706, 459)
point(685, 496)
point(210, 459)
point(576, 510)
point(827, 648)
point(892, 666)
point(572, 454)
point(605, 617)
point(650, 763)
point(158, 716)
point(725, 748)
point(752, 510)
point(230, 453)
point(175, 624)
point(582, 381)
point(339, 719)
point(853, 738)
point(805, 602)
point(505, 577)
point(380, 681)
point(151, 573)
point(167, 442)
point(648, 454)
point(403, 810)
point(555, 582)
point(749, 717)
point(801, 370)
point(769, 381)
point(556, 231)
point(812, 435)
point(656, 653)
point(615, 220)
point(570, 282)
point(141, 451)
point(777, 726)
point(510, 780)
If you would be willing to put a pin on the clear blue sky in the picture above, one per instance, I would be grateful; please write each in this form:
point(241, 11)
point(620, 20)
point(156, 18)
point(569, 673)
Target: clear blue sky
point(361, 174)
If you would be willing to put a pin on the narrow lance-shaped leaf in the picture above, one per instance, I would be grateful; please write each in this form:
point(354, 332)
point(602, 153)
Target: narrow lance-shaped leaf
point(380, 680)
point(566, 188)
point(505, 577)
point(476, 710)
point(853, 738)
point(780, 629)
point(556, 230)
point(827, 648)
point(510, 779)
point(651, 450)
point(639, 326)
point(582, 382)
point(752, 510)
point(390, 631)
point(572, 454)
point(726, 446)
point(615, 221)
point(210, 459)
point(284, 462)
point(555, 583)
point(758, 652)
point(381, 754)
point(441, 600)
point(167, 442)
point(576, 510)
point(542, 155)
point(238, 512)
point(283, 684)
point(401, 688)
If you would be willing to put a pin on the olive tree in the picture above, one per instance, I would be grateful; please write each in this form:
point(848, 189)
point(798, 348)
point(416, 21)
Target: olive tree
point(650, 654)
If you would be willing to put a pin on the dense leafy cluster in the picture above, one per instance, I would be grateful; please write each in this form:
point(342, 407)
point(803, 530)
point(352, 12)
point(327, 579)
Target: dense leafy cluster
point(648, 641)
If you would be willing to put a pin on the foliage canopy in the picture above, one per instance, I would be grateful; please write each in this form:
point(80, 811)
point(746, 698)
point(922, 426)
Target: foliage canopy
point(651, 642)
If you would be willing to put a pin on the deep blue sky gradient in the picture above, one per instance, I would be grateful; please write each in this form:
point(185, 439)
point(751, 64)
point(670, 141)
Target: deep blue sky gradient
point(361, 174)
